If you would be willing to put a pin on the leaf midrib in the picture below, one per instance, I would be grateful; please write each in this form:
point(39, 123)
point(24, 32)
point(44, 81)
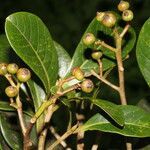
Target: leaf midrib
point(33, 51)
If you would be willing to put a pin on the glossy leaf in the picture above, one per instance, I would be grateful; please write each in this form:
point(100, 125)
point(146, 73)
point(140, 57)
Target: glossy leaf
point(32, 42)
point(12, 137)
point(143, 51)
point(137, 123)
point(38, 96)
point(64, 59)
point(111, 109)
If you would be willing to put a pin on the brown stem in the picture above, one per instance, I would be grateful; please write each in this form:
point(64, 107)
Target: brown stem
point(102, 43)
point(20, 115)
point(63, 137)
point(124, 31)
point(54, 99)
point(10, 80)
point(57, 136)
point(105, 81)
point(100, 67)
point(42, 138)
point(120, 69)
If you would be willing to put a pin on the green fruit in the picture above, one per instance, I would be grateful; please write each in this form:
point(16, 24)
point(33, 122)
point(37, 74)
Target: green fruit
point(23, 74)
point(97, 55)
point(11, 91)
point(87, 86)
point(3, 68)
point(123, 5)
point(12, 68)
point(88, 39)
point(109, 19)
point(127, 15)
point(78, 73)
point(99, 16)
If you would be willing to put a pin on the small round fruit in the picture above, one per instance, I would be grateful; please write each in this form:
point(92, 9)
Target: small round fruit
point(12, 68)
point(87, 86)
point(123, 5)
point(99, 16)
point(127, 15)
point(78, 73)
point(23, 74)
point(88, 39)
point(97, 55)
point(11, 91)
point(109, 19)
point(3, 68)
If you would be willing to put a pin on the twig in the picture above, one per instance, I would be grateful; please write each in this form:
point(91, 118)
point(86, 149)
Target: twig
point(10, 80)
point(57, 136)
point(20, 115)
point(120, 69)
point(102, 43)
point(100, 67)
point(105, 81)
point(124, 31)
point(63, 137)
point(41, 144)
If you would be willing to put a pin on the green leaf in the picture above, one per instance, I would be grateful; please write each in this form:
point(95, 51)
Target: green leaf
point(89, 65)
point(32, 42)
point(12, 137)
point(38, 96)
point(137, 123)
point(5, 106)
point(111, 109)
point(3, 144)
point(143, 51)
point(64, 59)
point(79, 57)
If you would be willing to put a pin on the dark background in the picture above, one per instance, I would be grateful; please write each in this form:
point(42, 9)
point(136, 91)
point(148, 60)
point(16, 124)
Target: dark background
point(67, 21)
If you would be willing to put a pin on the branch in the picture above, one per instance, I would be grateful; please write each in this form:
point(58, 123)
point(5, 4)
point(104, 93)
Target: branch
point(102, 43)
point(105, 81)
point(124, 31)
point(63, 137)
point(120, 69)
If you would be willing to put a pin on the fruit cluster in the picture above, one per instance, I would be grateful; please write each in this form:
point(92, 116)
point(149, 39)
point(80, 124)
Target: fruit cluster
point(12, 69)
point(87, 85)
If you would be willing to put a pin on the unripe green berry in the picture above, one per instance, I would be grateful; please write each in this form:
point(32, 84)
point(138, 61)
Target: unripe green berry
point(123, 5)
point(127, 15)
point(3, 68)
point(97, 55)
point(99, 16)
point(23, 74)
point(109, 19)
point(12, 68)
point(88, 39)
point(87, 86)
point(78, 73)
point(11, 91)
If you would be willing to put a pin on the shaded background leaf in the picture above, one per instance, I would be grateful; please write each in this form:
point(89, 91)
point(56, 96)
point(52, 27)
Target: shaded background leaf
point(12, 137)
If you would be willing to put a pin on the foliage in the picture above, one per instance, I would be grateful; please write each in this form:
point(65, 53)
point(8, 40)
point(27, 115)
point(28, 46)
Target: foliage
point(54, 87)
